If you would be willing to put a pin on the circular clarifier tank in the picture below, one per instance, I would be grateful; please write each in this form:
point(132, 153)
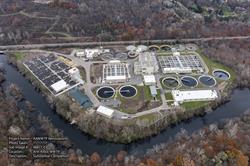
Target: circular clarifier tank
point(189, 81)
point(105, 92)
point(128, 91)
point(165, 48)
point(120, 56)
point(207, 80)
point(170, 82)
point(154, 48)
point(221, 74)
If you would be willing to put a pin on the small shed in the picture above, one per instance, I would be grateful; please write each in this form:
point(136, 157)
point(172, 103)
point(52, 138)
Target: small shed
point(153, 91)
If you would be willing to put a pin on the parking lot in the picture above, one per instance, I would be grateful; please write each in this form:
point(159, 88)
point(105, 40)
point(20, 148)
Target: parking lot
point(48, 70)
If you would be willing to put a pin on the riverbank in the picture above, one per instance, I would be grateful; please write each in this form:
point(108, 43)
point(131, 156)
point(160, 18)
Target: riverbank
point(113, 131)
point(18, 122)
point(88, 144)
point(161, 151)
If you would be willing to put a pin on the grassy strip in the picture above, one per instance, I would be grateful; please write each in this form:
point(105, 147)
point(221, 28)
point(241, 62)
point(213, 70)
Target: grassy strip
point(82, 72)
point(158, 96)
point(212, 65)
point(193, 105)
point(169, 96)
point(148, 117)
point(19, 55)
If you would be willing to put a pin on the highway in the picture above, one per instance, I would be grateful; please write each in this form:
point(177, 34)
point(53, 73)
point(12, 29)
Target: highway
point(85, 44)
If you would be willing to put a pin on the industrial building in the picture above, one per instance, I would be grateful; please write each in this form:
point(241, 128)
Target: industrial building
point(194, 95)
point(149, 80)
point(115, 72)
point(91, 53)
point(59, 86)
point(52, 73)
point(153, 91)
point(79, 97)
point(146, 64)
point(43, 1)
point(104, 111)
point(75, 75)
point(80, 53)
point(181, 64)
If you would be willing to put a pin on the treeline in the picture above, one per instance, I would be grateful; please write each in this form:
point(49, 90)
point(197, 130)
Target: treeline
point(93, 20)
point(233, 53)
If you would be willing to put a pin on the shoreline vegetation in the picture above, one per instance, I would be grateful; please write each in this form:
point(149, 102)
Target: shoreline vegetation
point(225, 143)
point(114, 131)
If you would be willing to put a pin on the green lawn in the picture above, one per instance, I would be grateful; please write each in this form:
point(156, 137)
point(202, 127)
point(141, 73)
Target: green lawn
point(227, 12)
point(147, 92)
point(19, 55)
point(212, 65)
point(158, 96)
point(194, 105)
point(164, 53)
point(170, 102)
point(148, 117)
point(128, 111)
point(131, 105)
point(169, 96)
point(82, 72)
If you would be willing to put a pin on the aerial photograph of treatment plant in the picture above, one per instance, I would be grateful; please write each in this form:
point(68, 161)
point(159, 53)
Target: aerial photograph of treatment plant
point(148, 83)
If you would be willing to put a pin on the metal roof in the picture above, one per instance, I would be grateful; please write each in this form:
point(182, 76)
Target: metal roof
point(194, 95)
point(59, 86)
point(153, 90)
point(81, 98)
point(105, 111)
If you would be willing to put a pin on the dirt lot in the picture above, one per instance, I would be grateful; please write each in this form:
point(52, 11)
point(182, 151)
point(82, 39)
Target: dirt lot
point(95, 72)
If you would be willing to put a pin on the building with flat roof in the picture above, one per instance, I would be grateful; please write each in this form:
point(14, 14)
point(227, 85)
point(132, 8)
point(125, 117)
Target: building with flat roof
point(91, 53)
point(181, 64)
point(74, 72)
point(43, 1)
point(105, 111)
point(153, 91)
point(149, 80)
point(80, 53)
point(176, 53)
point(80, 98)
point(75, 75)
point(146, 64)
point(59, 86)
point(115, 71)
point(194, 95)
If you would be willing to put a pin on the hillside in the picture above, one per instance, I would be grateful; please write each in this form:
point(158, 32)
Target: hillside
point(23, 21)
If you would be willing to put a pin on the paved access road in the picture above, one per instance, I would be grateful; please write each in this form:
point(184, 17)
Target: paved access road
point(84, 44)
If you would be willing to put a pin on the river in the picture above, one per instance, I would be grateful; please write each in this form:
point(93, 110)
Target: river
point(88, 144)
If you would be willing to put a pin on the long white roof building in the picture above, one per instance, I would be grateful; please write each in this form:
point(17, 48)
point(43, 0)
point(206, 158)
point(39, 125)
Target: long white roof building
point(59, 86)
point(194, 95)
point(105, 111)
